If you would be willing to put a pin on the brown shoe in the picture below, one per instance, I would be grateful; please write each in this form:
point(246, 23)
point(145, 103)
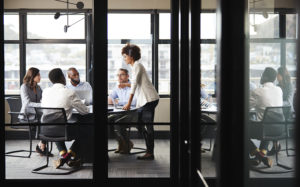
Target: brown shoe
point(146, 156)
point(120, 146)
point(267, 161)
point(74, 162)
point(127, 147)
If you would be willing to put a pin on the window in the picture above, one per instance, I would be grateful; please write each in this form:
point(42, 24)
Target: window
point(47, 46)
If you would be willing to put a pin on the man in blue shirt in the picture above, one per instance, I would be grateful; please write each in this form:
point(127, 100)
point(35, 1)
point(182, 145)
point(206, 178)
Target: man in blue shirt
point(120, 96)
point(83, 89)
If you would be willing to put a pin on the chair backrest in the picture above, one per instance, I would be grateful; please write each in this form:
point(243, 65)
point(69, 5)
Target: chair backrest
point(51, 117)
point(15, 105)
point(274, 120)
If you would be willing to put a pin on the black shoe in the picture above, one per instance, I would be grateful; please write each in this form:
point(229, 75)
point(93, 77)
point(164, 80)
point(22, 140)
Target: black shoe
point(147, 156)
point(76, 162)
point(41, 152)
point(255, 161)
point(274, 151)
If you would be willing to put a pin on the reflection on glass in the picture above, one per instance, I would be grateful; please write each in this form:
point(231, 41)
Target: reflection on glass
point(164, 68)
point(164, 26)
point(208, 62)
point(48, 56)
point(12, 68)
point(44, 26)
point(129, 26)
point(11, 27)
point(115, 61)
point(291, 31)
point(262, 26)
point(263, 55)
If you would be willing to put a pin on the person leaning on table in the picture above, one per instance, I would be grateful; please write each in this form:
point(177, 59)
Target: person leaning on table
point(147, 97)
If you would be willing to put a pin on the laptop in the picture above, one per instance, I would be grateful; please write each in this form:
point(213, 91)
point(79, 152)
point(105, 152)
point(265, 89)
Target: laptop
point(84, 95)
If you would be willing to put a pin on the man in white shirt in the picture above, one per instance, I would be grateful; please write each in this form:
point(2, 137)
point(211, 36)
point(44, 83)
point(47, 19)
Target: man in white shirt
point(58, 96)
point(120, 96)
point(269, 95)
point(83, 89)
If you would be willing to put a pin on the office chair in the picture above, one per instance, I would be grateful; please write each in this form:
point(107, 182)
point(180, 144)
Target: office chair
point(272, 128)
point(54, 127)
point(15, 105)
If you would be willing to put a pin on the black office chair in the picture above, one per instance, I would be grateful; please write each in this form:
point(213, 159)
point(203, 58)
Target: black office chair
point(272, 128)
point(15, 105)
point(54, 127)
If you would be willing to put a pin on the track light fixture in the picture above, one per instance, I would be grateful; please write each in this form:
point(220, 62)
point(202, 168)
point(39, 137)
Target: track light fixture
point(79, 5)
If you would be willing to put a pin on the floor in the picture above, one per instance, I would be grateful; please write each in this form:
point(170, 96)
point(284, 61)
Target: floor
point(126, 166)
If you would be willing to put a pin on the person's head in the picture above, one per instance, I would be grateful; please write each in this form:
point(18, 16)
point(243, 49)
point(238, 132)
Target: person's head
point(269, 75)
point(123, 75)
point(131, 53)
point(57, 76)
point(73, 75)
point(283, 76)
point(32, 77)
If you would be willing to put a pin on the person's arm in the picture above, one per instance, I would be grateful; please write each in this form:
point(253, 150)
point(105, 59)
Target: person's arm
point(78, 105)
point(91, 93)
point(127, 106)
point(26, 98)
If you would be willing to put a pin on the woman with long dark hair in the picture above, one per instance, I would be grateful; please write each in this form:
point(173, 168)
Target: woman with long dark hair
point(31, 95)
point(285, 83)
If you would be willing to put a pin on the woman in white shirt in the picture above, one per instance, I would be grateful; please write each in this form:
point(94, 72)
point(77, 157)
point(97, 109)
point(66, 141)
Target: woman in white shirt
point(146, 94)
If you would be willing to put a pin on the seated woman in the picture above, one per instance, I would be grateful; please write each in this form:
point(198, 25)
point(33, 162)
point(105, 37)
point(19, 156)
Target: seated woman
point(31, 95)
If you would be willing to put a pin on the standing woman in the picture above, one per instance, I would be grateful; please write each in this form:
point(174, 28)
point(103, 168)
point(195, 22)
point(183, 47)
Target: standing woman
point(147, 97)
point(31, 95)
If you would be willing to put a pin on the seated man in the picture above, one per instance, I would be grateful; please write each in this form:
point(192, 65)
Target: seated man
point(269, 95)
point(58, 96)
point(120, 96)
point(83, 89)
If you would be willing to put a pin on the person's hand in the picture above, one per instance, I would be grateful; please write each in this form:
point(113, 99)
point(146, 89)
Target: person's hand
point(126, 107)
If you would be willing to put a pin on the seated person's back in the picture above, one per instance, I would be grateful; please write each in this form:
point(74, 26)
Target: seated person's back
point(58, 96)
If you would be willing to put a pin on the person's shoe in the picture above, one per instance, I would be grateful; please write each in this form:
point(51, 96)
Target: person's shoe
point(267, 161)
point(273, 150)
point(127, 147)
point(146, 156)
point(41, 152)
point(76, 162)
point(61, 161)
point(255, 161)
point(121, 145)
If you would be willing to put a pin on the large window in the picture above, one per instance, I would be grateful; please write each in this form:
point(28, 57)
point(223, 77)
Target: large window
point(38, 40)
point(139, 28)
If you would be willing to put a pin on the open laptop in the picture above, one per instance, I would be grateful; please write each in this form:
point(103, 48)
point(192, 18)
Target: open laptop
point(84, 95)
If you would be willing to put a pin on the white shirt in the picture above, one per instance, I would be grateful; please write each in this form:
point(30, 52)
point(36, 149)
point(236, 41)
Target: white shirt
point(81, 87)
point(142, 86)
point(268, 95)
point(58, 96)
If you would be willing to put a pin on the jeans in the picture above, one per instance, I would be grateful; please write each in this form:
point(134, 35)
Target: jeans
point(146, 115)
point(61, 146)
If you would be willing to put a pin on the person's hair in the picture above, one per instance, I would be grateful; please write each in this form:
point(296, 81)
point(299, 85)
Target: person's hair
point(286, 78)
point(71, 69)
point(132, 50)
point(57, 76)
point(124, 70)
point(269, 75)
point(30, 75)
